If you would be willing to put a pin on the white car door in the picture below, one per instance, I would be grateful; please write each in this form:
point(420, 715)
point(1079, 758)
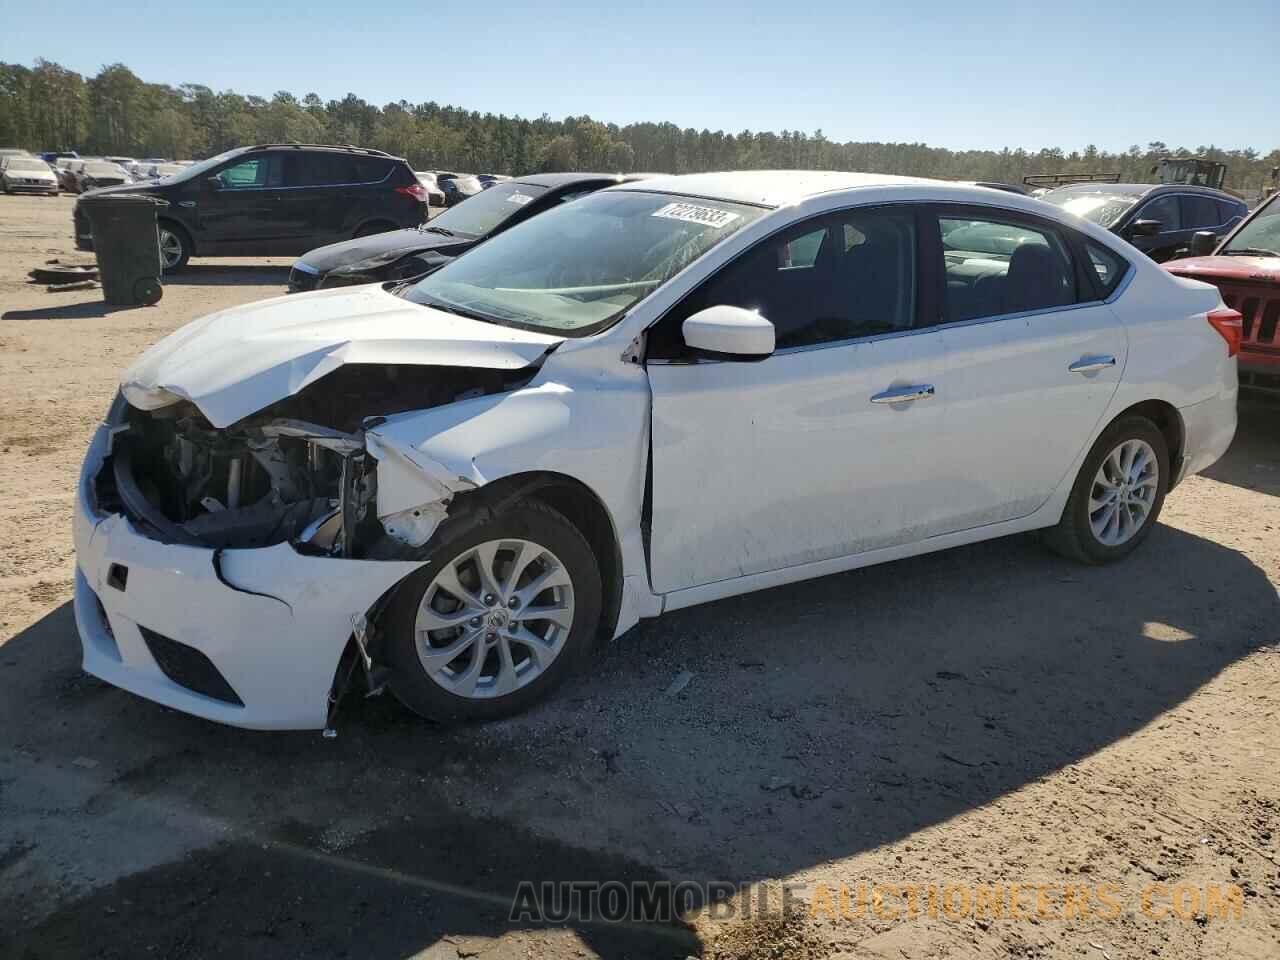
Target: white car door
point(817, 451)
point(1033, 359)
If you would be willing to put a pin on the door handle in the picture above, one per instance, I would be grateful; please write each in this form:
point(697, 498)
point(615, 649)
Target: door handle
point(921, 391)
point(186, 203)
point(1092, 364)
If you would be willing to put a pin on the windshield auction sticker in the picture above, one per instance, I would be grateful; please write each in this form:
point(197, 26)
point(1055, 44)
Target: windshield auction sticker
point(520, 198)
point(695, 213)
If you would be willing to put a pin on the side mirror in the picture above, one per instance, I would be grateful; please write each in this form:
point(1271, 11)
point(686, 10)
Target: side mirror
point(1203, 243)
point(1145, 228)
point(729, 333)
point(212, 184)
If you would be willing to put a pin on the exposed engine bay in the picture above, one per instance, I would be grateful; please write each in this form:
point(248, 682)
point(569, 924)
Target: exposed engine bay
point(296, 471)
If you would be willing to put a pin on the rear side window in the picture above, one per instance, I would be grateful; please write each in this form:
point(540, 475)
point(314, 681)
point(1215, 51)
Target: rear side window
point(1200, 212)
point(370, 169)
point(995, 267)
point(1109, 267)
point(1228, 211)
point(323, 169)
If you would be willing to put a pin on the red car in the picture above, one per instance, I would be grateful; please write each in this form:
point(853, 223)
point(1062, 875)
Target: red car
point(1245, 266)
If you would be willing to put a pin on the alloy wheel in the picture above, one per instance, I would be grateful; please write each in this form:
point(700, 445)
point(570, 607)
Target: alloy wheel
point(170, 248)
point(494, 618)
point(1123, 492)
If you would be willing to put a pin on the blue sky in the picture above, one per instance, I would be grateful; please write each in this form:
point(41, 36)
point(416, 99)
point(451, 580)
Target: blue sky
point(951, 74)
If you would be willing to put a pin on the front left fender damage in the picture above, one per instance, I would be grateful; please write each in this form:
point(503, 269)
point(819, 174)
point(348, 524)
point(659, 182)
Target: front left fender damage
point(312, 471)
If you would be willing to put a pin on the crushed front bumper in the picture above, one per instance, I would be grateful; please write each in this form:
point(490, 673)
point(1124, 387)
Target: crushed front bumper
point(155, 619)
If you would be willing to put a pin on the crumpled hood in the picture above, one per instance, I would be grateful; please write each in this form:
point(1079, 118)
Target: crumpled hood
point(404, 242)
point(233, 363)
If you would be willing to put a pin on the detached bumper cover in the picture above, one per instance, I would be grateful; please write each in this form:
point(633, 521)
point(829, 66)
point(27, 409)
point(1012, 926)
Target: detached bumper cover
point(272, 622)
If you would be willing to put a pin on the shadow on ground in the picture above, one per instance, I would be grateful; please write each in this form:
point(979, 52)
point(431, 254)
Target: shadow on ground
point(66, 311)
point(226, 274)
point(822, 719)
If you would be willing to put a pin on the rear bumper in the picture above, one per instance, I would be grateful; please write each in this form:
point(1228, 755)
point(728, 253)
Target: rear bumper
point(1208, 428)
point(271, 623)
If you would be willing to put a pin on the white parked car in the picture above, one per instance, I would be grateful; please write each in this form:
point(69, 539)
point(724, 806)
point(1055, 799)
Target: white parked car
point(664, 393)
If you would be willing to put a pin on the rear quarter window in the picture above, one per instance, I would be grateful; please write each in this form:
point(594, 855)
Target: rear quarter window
point(371, 169)
point(1107, 265)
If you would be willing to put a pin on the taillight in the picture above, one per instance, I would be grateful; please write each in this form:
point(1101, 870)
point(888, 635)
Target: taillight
point(1230, 324)
point(415, 190)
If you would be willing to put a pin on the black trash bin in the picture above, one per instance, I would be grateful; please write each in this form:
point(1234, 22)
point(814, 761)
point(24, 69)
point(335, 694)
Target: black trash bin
point(127, 245)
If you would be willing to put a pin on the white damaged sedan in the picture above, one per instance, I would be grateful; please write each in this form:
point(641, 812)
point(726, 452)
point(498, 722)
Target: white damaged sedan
point(664, 393)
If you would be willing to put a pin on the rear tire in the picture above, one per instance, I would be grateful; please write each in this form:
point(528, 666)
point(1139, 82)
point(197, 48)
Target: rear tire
point(499, 657)
point(1117, 496)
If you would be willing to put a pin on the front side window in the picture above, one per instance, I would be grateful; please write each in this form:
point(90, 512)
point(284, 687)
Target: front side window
point(578, 267)
point(994, 267)
point(1164, 209)
point(836, 278)
point(266, 170)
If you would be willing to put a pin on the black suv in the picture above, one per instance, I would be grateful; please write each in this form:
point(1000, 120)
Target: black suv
point(276, 200)
point(1158, 219)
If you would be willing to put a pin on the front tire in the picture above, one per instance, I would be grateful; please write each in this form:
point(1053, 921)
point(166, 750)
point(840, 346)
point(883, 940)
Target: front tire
point(1117, 495)
point(496, 619)
point(175, 247)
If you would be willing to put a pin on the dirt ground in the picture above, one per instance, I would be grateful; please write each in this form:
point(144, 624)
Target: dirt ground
point(991, 715)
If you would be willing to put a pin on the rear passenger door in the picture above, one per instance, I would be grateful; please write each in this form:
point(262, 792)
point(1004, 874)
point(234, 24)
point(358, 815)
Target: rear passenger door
point(350, 191)
point(1205, 213)
point(1034, 356)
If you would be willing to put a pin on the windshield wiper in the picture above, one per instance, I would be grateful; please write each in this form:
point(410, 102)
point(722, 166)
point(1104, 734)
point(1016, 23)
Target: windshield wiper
point(436, 304)
point(1250, 252)
point(432, 228)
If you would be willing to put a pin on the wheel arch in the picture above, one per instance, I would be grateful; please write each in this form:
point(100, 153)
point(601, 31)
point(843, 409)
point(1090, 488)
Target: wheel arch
point(1169, 421)
point(582, 507)
point(178, 226)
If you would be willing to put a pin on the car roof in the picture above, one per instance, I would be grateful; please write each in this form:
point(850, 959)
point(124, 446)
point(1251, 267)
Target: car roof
point(553, 181)
point(768, 188)
point(1141, 189)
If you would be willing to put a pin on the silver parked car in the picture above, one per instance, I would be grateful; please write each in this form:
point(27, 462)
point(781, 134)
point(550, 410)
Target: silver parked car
point(27, 175)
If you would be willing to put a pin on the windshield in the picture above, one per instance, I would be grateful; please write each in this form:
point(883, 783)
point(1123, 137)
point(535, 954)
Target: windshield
point(578, 267)
point(104, 170)
point(1261, 234)
point(478, 215)
point(22, 163)
point(198, 168)
point(1104, 209)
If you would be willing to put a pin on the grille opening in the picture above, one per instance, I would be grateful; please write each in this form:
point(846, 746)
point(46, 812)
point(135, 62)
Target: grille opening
point(188, 667)
point(1270, 316)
